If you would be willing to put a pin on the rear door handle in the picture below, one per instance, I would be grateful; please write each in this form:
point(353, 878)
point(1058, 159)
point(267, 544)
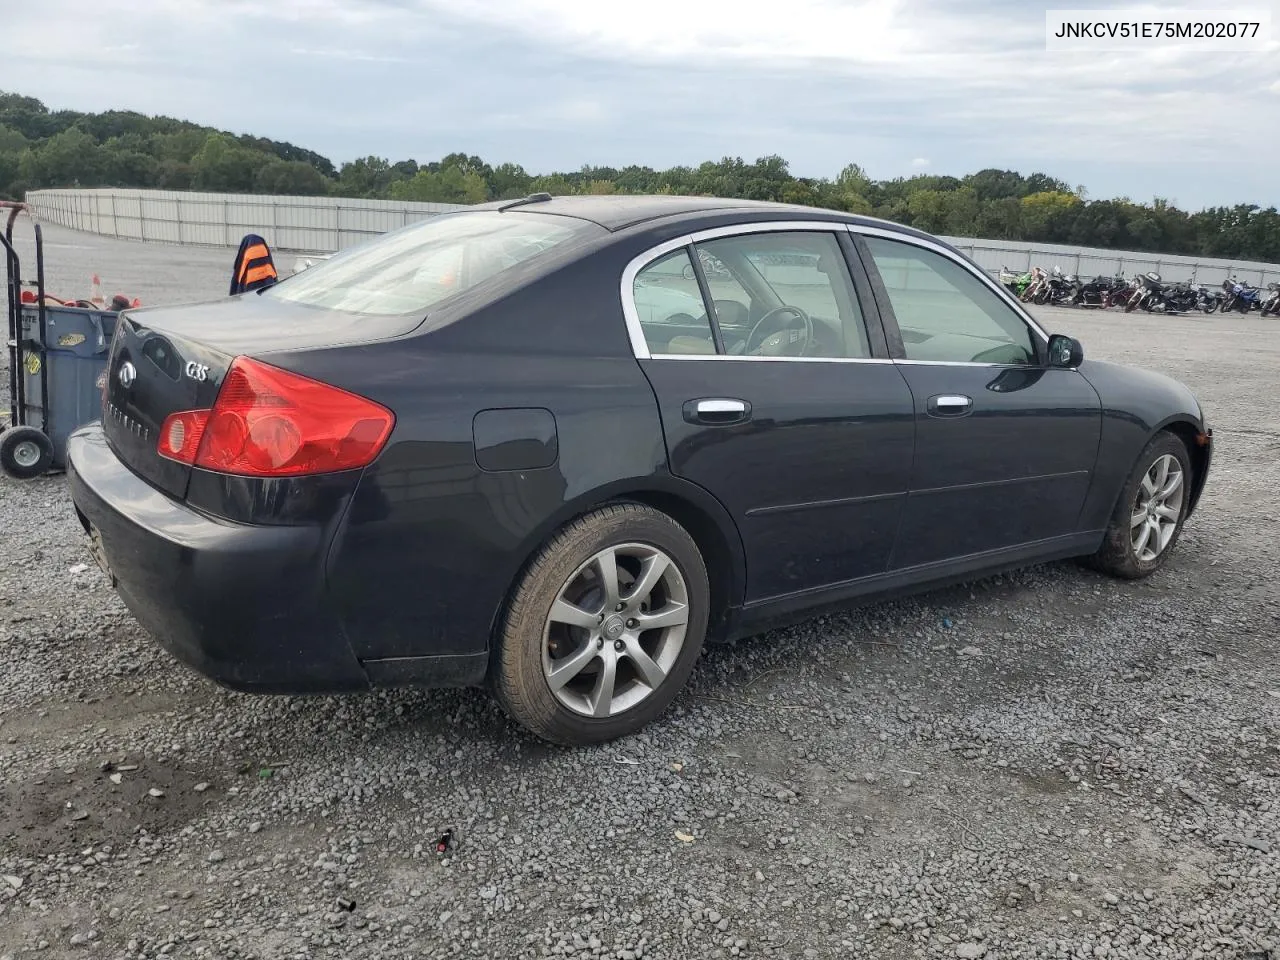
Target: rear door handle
point(950, 405)
point(717, 411)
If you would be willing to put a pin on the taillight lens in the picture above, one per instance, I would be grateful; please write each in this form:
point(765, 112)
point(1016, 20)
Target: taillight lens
point(180, 435)
point(267, 422)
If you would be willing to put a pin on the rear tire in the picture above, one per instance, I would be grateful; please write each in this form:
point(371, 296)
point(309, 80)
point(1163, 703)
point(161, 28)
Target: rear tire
point(1149, 513)
point(25, 452)
point(575, 664)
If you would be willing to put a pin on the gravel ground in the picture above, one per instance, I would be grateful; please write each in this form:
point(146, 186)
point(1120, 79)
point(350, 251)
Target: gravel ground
point(1044, 764)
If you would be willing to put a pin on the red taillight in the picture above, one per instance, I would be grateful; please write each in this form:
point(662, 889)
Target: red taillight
point(180, 435)
point(267, 422)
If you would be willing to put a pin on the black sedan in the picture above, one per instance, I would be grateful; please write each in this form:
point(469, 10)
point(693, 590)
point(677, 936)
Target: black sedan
point(555, 445)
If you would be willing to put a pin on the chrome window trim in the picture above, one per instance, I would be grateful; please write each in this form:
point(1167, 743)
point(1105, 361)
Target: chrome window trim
point(978, 272)
point(754, 359)
point(635, 331)
point(967, 363)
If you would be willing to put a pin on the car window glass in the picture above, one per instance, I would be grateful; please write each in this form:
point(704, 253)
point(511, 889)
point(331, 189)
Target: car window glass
point(412, 269)
point(766, 285)
point(944, 312)
point(669, 303)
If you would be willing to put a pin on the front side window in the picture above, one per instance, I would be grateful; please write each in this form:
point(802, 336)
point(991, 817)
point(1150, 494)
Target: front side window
point(944, 312)
point(413, 269)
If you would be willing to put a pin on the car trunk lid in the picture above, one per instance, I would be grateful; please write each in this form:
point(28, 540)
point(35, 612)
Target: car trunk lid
point(169, 359)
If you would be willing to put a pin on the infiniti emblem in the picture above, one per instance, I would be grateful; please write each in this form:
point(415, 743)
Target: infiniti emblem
point(128, 373)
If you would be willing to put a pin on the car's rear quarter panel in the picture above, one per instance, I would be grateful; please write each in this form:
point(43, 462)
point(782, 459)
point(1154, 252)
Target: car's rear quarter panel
point(431, 542)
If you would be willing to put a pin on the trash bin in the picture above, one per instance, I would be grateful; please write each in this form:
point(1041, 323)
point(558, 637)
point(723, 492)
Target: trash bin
point(72, 367)
point(57, 359)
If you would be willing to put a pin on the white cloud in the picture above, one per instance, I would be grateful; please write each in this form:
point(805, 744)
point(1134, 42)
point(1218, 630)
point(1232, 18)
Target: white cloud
point(920, 162)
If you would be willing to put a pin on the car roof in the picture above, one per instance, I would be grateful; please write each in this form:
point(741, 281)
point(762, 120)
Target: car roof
point(619, 212)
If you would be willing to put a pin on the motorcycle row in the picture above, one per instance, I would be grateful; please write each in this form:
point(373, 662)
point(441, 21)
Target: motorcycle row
point(1147, 291)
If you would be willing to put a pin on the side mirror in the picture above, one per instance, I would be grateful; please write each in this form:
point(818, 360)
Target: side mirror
point(1065, 351)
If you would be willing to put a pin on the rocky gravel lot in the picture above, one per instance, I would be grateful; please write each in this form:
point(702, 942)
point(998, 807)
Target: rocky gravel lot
point(1044, 764)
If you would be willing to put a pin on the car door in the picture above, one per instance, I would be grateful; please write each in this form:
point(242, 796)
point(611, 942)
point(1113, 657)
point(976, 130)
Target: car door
point(1005, 445)
point(777, 397)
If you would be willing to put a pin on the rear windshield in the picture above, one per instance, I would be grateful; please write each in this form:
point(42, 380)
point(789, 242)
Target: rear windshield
point(413, 269)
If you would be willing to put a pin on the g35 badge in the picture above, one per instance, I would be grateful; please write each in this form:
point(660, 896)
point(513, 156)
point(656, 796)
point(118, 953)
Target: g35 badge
point(197, 371)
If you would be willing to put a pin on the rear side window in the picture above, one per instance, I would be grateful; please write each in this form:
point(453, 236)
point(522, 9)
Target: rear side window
point(669, 302)
point(413, 269)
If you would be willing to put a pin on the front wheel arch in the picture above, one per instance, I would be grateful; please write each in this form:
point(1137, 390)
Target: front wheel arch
point(1190, 433)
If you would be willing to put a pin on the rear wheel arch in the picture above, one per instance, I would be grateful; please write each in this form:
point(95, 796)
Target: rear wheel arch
point(700, 514)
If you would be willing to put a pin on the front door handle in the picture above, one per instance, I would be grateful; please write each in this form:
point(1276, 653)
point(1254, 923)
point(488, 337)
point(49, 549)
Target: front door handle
point(950, 405)
point(717, 411)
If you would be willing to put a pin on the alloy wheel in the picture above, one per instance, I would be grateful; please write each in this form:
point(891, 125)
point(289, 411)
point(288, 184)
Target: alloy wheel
point(615, 630)
point(1157, 508)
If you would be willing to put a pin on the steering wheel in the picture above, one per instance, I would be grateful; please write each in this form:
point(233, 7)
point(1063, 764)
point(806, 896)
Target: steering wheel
point(762, 324)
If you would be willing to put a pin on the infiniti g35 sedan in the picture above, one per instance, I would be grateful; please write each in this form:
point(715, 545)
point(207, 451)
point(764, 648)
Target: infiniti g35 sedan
point(555, 445)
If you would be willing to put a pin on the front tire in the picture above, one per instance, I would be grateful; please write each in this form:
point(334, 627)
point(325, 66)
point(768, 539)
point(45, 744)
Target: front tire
point(604, 627)
point(1149, 514)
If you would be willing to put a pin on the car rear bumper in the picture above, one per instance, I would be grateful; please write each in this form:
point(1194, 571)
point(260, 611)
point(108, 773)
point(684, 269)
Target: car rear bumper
point(243, 605)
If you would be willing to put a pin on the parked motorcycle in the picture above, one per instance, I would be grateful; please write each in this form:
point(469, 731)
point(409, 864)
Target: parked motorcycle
point(1271, 305)
point(1240, 296)
point(1035, 289)
point(1059, 289)
point(1150, 287)
point(1121, 296)
point(1016, 282)
point(1098, 292)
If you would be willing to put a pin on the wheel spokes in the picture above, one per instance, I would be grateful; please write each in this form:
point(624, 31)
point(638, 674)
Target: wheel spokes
point(647, 668)
point(623, 592)
point(1140, 544)
point(565, 612)
point(1161, 471)
point(562, 671)
point(1138, 519)
point(651, 571)
point(602, 693)
point(607, 567)
point(671, 615)
point(1170, 485)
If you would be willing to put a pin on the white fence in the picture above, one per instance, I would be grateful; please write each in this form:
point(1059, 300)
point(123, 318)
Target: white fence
point(311, 224)
point(326, 224)
point(1094, 261)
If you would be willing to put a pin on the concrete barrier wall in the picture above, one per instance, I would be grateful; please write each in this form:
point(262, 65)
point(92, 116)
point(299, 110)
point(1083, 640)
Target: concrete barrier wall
point(327, 224)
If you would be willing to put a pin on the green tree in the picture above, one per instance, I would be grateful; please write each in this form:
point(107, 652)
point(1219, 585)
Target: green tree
point(449, 185)
point(1044, 211)
point(69, 158)
point(223, 165)
point(293, 177)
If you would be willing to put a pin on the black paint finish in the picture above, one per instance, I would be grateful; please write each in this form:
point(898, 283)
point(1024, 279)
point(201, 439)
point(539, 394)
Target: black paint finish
point(815, 479)
point(1013, 470)
point(520, 405)
point(520, 439)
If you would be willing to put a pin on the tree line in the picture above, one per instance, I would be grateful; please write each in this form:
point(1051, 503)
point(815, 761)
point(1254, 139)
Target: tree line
point(66, 148)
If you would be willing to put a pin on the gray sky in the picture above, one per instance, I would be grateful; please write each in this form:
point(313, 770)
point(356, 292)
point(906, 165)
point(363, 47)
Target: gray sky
point(899, 86)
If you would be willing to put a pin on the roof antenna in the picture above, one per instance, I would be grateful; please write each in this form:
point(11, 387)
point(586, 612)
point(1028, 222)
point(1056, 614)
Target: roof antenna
point(531, 198)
